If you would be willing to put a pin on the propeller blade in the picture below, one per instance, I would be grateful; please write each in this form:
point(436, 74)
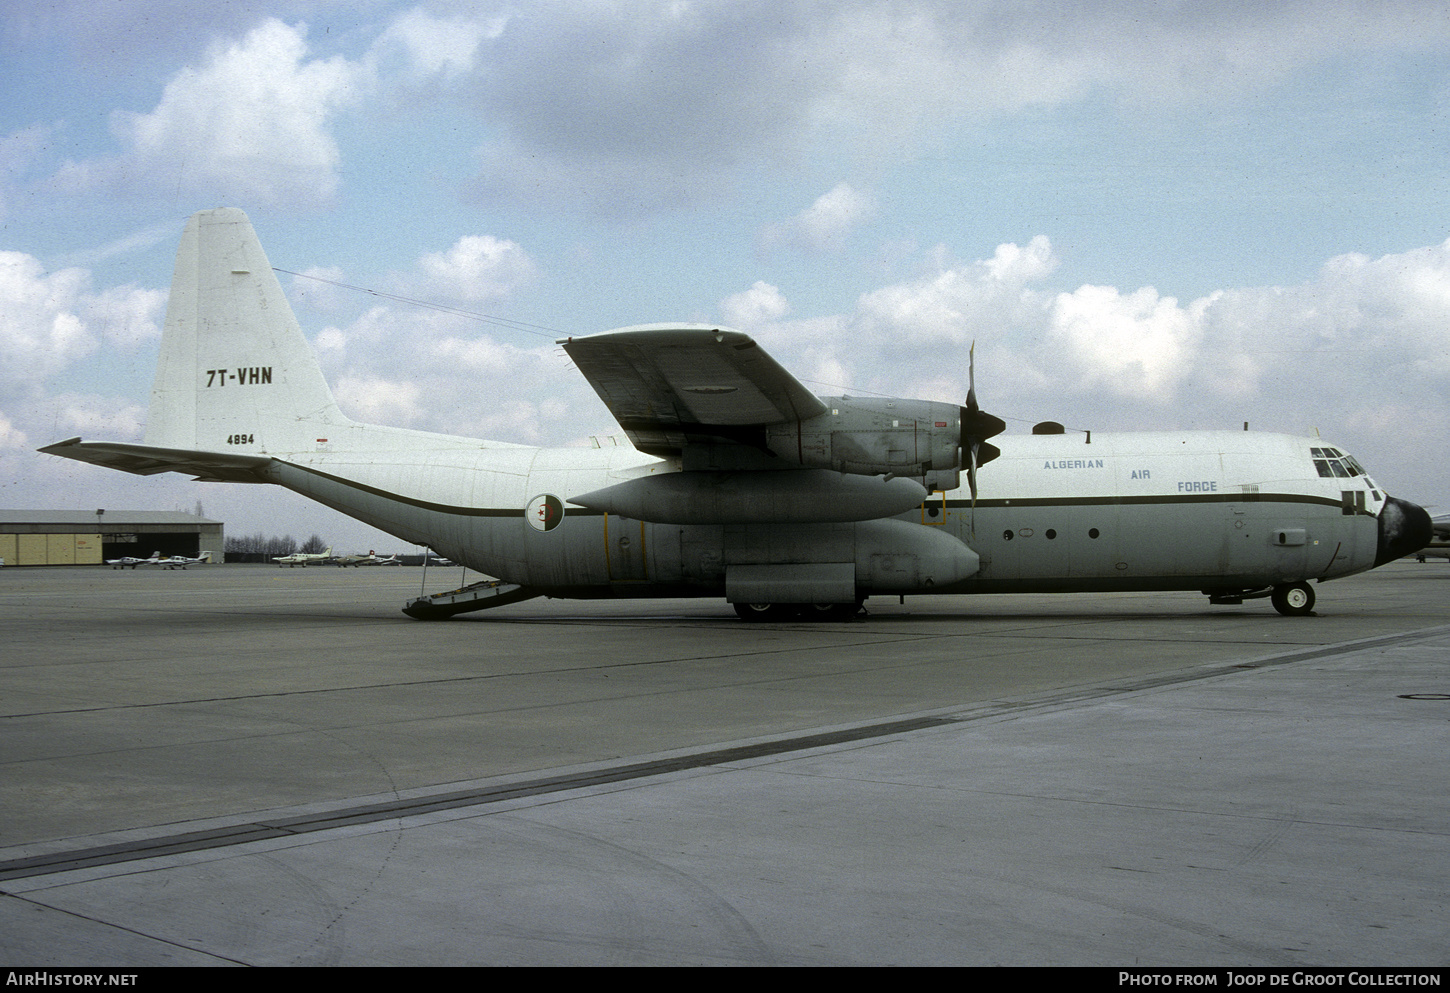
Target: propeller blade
point(977, 427)
point(975, 422)
point(972, 379)
point(972, 484)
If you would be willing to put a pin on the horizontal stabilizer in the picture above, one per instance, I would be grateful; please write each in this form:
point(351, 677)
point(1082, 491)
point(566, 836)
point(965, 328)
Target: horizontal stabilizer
point(144, 460)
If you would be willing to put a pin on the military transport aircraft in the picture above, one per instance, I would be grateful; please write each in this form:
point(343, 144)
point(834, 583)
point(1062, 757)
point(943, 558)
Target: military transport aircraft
point(741, 482)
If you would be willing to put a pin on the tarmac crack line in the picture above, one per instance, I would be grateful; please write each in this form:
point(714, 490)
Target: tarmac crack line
point(26, 898)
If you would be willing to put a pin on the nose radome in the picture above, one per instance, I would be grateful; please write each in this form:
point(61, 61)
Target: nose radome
point(1404, 527)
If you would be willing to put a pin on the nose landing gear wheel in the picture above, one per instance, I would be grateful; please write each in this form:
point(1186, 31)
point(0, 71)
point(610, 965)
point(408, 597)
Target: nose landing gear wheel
point(1293, 599)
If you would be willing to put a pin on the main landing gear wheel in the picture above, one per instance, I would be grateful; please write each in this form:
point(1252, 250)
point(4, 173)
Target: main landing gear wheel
point(1293, 599)
point(765, 611)
point(797, 611)
point(831, 611)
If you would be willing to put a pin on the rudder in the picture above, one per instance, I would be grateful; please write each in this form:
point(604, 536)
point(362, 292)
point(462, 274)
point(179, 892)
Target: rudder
point(235, 374)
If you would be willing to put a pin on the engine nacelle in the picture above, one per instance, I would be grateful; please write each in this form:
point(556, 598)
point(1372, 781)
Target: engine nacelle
point(918, 439)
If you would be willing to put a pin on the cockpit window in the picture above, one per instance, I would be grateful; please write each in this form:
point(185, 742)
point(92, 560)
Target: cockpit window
point(1331, 463)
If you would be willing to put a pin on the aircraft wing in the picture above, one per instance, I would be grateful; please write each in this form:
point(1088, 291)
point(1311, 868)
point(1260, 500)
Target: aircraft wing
point(143, 460)
point(668, 383)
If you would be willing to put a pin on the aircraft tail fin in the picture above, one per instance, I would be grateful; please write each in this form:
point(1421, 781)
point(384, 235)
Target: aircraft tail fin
point(236, 374)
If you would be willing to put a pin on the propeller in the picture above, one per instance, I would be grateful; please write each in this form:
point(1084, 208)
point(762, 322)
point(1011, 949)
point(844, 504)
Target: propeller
point(977, 427)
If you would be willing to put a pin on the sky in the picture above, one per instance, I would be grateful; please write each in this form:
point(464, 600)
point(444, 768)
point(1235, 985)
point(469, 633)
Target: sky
point(1147, 216)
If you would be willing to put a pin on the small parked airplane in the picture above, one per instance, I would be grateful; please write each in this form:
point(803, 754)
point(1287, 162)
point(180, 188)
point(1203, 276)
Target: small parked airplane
point(741, 482)
point(182, 561)
point(304, 558)
point(157, 559)
point(131, 562)
point(371, 558)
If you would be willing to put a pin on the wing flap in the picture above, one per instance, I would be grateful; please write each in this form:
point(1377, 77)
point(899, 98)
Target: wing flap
point(664, 383)
point(144, 460)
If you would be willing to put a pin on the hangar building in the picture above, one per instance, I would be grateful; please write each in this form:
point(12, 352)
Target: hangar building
point(89, 537)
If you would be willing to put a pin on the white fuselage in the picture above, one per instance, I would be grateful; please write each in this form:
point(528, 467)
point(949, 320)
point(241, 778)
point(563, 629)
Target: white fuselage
point(1165, 510)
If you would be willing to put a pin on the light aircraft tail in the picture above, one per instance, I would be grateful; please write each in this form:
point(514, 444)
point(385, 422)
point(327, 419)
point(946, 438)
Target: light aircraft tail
point(236, 374)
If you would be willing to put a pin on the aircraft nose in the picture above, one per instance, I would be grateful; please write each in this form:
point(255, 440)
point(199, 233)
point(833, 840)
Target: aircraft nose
point(1404, 527)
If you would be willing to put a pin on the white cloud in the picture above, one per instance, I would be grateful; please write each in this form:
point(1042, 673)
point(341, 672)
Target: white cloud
point(250, 125)
point(374, 399)
point(757, 305)
point(1014, 265)
point(434, 370)
point(50, 320)
point(97, 416)
point(10, 435)
point(478, 354)
point(41, 333)
point(1365, 337)
point(330, 344)
point(436, 46)
point(125, 316)
point(961, 303)
point(1404, 297)
point(469, 386)
point(1138, 343)
point(826, 222)
point(476, 268)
